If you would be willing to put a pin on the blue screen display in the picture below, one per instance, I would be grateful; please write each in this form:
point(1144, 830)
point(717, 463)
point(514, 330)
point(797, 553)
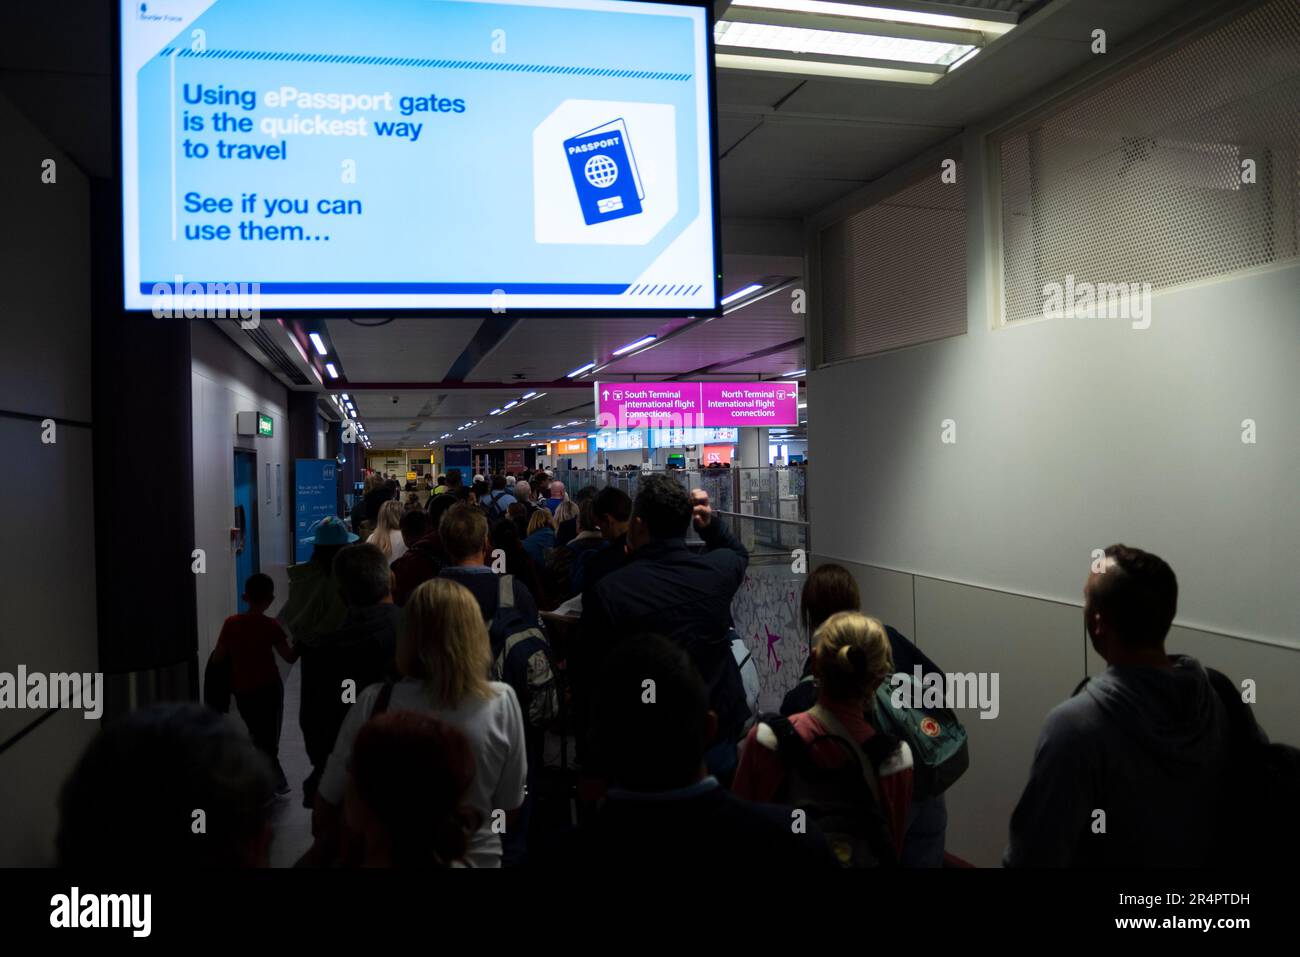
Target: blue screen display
point(418, 154)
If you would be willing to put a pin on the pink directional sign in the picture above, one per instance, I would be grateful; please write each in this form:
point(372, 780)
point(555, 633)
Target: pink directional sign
point(633, 405)
point(749, 403)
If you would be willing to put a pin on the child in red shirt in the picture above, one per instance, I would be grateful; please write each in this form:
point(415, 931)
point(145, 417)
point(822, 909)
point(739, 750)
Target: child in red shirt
point(247, 640)
point(850, 659)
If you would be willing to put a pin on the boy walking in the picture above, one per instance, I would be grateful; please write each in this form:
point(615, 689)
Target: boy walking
point(247, 640)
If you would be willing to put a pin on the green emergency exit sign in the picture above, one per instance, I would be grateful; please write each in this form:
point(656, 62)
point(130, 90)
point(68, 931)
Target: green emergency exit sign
point(265, 426)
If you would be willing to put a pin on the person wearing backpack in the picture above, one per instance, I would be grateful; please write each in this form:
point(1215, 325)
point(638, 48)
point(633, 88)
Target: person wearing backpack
point(463, 532)
point(498, 500)
point(854, 782)
point(831, 588)
point(567, 559)
point(520, 651)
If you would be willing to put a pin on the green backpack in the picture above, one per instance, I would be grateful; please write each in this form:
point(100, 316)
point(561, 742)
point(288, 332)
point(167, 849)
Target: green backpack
point(937, 739)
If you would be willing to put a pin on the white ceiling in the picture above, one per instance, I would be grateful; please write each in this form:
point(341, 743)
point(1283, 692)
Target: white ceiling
point(407, 351)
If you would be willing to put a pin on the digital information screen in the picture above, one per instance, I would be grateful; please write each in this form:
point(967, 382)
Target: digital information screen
point(419, 154)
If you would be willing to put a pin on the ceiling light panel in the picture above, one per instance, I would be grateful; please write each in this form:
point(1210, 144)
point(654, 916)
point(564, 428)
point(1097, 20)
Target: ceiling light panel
point(882, 14)
point(864, 46)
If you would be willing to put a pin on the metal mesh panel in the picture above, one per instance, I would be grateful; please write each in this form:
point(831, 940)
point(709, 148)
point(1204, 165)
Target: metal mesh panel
point(1140, 181)
point(894, 274)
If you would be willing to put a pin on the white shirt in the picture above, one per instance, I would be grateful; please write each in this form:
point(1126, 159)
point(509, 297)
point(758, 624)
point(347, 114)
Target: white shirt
point(495, 729)
point(396, 544)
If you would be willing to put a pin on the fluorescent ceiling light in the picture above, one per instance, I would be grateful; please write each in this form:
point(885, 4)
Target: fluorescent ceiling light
point(531, 395)
point(849, 71)
point(768, 36)
point(318, 343)
point(645, 341)
point(580, 371)
point(495, 412)
point(878, 13)
point(741, 293)
point(511, 404)
point(329, 367)
point(794, 373)
point(967, 58)
point(345, 397)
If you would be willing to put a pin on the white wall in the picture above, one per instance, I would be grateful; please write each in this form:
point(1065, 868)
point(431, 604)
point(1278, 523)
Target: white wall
point(47, 567)
point(225, 381)
point(619, 459)
point(1071, 435)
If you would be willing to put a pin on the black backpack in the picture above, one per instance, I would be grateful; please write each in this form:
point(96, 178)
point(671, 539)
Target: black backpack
point(1259, 823)
point(838, 800)
point(493, 505)
point(521, 657)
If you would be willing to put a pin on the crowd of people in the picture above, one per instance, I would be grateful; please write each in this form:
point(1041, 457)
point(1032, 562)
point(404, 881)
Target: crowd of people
point(509, 675)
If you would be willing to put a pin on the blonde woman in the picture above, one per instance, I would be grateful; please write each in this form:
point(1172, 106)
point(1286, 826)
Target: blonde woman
point(851, 657)
point(565, 510)
point(387, 537)
point(541, 536)
point(443, 656)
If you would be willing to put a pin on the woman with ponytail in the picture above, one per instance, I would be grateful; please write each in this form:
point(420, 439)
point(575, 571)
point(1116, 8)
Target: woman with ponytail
point(850, 658)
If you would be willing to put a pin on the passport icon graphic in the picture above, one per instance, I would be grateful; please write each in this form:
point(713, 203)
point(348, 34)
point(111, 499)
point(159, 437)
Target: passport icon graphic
point(604, 173)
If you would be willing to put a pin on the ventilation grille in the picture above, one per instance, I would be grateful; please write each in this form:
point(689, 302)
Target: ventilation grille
point(894, 274)
point(1141, 181)
point(276, 356)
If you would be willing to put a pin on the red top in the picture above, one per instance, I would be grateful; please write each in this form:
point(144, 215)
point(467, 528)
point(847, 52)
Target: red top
point(248, 640)
point(761, 773)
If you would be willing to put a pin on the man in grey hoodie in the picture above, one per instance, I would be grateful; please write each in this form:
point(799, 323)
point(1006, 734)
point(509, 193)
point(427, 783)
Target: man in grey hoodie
point(1131, 771)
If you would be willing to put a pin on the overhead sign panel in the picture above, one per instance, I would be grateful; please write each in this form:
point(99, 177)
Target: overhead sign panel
point(688, 405)
point(750, 403)
point(428, 155)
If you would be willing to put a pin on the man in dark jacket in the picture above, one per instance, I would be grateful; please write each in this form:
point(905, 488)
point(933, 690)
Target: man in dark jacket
point(372, 502)
point(362, 650)
point(667, 589)
point(613, 512)
point(1130, 772)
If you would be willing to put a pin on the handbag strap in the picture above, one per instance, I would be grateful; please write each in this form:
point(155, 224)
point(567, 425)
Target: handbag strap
point(837, 729)
point(382, 699)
